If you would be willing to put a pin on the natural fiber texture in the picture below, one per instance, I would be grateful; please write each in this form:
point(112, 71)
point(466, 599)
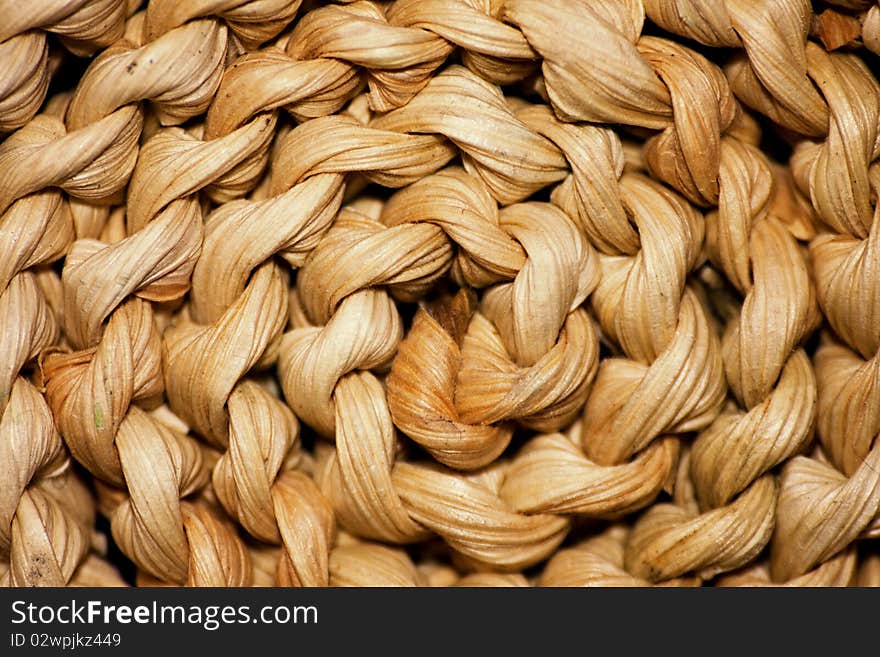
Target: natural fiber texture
point(439, 293)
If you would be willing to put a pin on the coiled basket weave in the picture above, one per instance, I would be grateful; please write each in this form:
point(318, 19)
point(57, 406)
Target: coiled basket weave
point(439, 292)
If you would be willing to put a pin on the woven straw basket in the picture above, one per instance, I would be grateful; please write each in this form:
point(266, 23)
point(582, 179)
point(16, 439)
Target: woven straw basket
point(439, 292)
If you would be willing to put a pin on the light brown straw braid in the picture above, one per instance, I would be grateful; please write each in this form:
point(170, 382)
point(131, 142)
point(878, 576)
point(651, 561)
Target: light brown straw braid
point(95, 158)
point(528, 485)
point(678, 537)
point(771, 380)
point(46, 513)
point(439, 293)
point(250, 22)
point(240, 320)
point(91, 155)
point(653, 406)
point(323, 62)
point(694, 155)
point(118, 363)
point(83, 26)
point(357, 563)
point(321, 289)
point(400, 45)
point(437, 408)
point(162, 542)
point(659, 400)
point(825, 504)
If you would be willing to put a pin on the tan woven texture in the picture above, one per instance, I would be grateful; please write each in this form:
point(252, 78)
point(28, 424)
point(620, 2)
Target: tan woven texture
point(439, 293)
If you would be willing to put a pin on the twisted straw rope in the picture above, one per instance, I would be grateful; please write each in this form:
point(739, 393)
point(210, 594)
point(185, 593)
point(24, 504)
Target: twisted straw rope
point(92, 389)
point(822, 509)
point(693, 155)
point(836, 501)
point(383, 503)
point(824, 506)
point(46, 513)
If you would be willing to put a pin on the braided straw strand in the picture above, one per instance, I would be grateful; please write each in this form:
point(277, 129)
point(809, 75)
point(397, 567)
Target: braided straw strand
point(46, 513)
point(825, 504)
point(693, 155)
